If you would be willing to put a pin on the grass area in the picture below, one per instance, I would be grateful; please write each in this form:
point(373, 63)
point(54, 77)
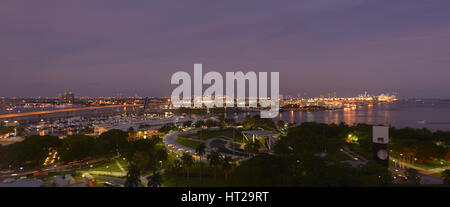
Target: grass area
point(187, 142)
point(110, 166)
point(434, 163)
point(361, 151)
point(430, 164)
point(337, 157)
point(123, 162)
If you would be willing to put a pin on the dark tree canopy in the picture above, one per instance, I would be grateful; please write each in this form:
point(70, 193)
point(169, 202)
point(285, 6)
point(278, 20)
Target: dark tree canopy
point(112, 141)
point(77, 147)
point(30, 152)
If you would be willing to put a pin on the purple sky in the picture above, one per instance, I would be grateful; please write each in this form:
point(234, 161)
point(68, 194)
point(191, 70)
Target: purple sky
point(96, 48)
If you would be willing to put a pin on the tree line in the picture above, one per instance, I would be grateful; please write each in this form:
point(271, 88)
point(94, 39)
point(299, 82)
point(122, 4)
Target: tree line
point(33, 151)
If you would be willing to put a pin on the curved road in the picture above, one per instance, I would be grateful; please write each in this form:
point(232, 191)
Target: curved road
point(169, 139)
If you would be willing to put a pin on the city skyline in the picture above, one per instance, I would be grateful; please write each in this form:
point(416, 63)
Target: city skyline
point(245, 98)
point(106, 48)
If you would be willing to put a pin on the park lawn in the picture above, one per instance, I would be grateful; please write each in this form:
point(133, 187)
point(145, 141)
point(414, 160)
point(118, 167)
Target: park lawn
point(434, 163)
point(337, 157)
point(123, 162)
point(110, 166)
point(165, 164)
point(170, 160)
point(431, 164)
point(187, 142)
point(107, 167)
point(366, 153)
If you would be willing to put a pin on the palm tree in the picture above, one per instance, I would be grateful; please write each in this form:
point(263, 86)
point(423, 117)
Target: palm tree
point(176, 166)
point(280, 124)
point(252, 147)
point(187, 162)
point(446, 175)
point(201, 150)
point(214, 160)
point(226, 165)
point(154, 180)
point(133, 175)
point(199, 124)
point(187, 124)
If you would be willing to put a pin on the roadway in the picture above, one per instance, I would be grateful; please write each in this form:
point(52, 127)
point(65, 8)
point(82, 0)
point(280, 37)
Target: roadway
point(424, 178)
point(176, 148)
point(9, 116)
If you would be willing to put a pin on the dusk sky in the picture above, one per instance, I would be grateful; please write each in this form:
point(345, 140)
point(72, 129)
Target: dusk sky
point(103, 48)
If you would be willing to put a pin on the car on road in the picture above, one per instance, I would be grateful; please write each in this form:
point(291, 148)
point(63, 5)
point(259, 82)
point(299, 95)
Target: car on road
point(110, 184)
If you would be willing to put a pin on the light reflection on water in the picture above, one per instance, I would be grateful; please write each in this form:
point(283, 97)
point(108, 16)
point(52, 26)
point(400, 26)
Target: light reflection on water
point(434, 115)
point(431, 114)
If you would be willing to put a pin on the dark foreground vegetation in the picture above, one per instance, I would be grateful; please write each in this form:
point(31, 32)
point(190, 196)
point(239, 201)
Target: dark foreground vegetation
point(309, 154)
point(295, 160)
point(32, 152)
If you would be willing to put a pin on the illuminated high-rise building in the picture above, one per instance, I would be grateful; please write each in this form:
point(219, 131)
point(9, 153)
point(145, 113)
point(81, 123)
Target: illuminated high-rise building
point(68, 98)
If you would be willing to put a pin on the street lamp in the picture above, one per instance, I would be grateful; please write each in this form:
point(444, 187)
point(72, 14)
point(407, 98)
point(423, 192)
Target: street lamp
point(401, 161)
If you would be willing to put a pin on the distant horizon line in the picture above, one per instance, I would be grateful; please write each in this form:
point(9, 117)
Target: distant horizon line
point(138, 96)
